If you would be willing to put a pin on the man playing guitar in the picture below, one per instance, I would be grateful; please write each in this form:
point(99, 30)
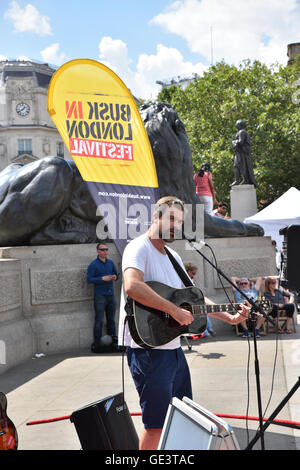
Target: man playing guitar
point(162, 372)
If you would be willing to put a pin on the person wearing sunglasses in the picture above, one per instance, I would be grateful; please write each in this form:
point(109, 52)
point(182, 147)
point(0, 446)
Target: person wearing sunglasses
point(252, 292)
point(102, 273)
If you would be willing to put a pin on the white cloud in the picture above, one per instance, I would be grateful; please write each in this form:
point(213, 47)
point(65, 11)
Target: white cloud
point(28, 19)
point(240, 30)
point(218, 29)
point(116, 52)
point(167, 62)
point(52, 55)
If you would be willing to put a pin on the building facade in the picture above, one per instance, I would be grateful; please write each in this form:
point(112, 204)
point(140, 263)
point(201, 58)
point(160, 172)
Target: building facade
point(27, 133)
point(181, 80)
point(293, 49)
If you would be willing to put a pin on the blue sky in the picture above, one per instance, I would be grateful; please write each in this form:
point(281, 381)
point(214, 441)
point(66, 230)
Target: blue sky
point(145, 41)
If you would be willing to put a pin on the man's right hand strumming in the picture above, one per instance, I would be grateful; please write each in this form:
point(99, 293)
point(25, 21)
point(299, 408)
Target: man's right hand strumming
point(138, 290)
point(182, 316)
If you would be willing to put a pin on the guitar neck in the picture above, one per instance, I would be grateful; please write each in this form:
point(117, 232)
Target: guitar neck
point(205, 309)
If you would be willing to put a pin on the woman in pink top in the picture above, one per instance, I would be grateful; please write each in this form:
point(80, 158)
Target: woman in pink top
point(205, 188)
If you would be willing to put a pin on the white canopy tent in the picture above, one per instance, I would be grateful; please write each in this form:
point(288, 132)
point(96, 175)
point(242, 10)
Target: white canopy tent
point(281, 213)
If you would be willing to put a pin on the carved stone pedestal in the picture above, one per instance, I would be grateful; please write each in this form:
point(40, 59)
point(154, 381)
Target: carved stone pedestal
point(243, 201)
point(46, 305)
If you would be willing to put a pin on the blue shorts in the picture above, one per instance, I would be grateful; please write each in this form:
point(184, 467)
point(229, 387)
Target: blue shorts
point(159, 375)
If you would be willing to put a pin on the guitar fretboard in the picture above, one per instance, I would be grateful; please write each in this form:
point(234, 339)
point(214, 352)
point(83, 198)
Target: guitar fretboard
point(205, 309)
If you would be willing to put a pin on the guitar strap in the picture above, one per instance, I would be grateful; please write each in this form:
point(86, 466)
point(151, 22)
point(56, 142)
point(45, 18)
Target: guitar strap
point(181, 273)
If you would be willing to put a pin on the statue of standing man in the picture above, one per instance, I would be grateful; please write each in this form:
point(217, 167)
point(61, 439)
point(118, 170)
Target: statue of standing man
point(242, 161)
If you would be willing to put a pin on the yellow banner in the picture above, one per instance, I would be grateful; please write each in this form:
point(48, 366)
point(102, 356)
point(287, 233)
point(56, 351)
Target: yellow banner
point(99, 121)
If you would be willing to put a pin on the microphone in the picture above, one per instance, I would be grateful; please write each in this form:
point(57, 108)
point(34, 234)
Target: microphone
point(190, 238)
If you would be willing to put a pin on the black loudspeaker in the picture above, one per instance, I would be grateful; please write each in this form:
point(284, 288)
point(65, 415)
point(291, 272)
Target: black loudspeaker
point(106, 425)
point(291, 257)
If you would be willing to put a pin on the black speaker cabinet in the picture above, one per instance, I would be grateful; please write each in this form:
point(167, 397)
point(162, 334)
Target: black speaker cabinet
point(291, 257)
point(105, 425)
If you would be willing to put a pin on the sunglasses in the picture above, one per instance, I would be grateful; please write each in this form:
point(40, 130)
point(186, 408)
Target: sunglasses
point(102, 249)
point(177, 202)
point(243, 283)
point(170, 203)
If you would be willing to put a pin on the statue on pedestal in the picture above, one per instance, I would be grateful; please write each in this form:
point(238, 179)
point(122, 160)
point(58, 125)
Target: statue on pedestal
point(243, 169)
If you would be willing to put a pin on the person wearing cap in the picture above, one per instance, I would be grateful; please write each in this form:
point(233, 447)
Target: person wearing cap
point(251, 292)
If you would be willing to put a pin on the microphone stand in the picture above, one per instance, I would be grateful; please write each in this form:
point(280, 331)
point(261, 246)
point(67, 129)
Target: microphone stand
point(253, 313)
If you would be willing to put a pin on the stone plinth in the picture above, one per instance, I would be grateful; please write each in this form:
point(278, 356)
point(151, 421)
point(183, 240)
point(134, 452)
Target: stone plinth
point(243, 201)
point(46, 305)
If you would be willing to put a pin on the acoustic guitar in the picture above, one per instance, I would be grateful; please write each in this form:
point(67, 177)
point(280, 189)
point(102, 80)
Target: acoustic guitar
point(8, 432)
point(150, 328)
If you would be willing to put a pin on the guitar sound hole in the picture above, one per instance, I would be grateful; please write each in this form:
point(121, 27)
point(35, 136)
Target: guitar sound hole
point(186, 306)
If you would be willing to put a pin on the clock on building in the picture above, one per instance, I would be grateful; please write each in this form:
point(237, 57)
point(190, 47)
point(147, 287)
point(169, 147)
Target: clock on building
point(23, 109)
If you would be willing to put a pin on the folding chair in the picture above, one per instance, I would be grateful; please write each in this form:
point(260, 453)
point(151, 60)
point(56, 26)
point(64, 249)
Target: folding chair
point(282, 318)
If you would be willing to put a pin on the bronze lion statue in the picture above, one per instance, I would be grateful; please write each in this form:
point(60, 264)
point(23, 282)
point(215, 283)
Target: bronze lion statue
point(47, 202)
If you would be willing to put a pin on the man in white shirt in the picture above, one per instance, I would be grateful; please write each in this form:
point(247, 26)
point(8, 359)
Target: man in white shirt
point(159, 373)
point(221, 211)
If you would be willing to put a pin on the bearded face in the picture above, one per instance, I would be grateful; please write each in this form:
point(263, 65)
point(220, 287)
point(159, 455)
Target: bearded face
point(168, 226)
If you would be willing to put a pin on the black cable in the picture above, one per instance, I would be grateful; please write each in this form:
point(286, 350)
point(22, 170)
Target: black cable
point(249, 352)
point(220, 279)
point(276, 345)
point(276, 348)
point(274, 368)
point(248, 391)
point(249, 349)
point(122, 363)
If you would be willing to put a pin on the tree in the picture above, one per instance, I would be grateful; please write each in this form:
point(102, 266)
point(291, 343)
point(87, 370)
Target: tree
point(267, 99)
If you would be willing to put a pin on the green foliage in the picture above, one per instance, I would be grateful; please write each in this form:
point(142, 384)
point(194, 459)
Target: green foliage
point(263, 97)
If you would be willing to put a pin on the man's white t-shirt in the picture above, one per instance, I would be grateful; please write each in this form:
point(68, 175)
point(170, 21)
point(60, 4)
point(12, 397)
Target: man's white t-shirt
point(141, 254)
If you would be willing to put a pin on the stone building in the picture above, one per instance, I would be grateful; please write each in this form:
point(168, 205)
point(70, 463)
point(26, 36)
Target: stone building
point(293, 49)
point(181, 80)
point(27, 132)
